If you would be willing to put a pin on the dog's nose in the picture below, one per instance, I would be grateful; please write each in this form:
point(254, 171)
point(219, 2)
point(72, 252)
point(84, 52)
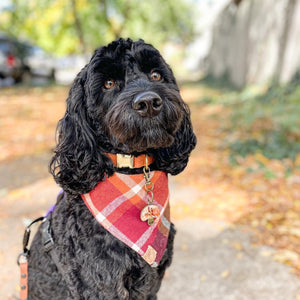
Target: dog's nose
point(147, 104)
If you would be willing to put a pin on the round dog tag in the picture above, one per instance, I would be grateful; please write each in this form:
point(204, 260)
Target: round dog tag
point(150, 213)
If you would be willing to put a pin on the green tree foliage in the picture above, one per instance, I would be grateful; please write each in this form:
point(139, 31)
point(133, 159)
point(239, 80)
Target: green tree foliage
point(78, 26)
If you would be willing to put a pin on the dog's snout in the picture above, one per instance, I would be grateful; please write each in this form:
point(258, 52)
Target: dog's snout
point(147, 104)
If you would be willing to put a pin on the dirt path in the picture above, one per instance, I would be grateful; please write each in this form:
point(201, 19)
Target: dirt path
point(214, 264)
point(18, 207)
point(22, 171)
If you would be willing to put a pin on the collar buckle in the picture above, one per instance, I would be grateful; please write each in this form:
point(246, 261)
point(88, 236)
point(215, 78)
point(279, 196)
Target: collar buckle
point(125, 161)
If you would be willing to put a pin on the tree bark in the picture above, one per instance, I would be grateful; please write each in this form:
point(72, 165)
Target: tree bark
point(289, 12)
point(116, 32)
point(78, 27)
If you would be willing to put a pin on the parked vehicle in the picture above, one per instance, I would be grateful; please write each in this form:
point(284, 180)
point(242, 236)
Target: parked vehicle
point(10, 62)
point(39, 62)
point(22, 61)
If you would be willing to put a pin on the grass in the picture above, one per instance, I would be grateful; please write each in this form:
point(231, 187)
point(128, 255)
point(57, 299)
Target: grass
point(262, 120)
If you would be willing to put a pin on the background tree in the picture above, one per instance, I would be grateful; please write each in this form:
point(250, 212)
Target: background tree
point(78, 26)
point(256, 42)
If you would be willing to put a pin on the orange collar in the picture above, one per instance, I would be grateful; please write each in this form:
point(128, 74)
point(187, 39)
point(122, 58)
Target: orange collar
point(130, 161)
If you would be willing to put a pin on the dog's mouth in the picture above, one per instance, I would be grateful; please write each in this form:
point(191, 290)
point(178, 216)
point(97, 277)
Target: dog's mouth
point(147, 122)
point(148, 139)
point(140, 136)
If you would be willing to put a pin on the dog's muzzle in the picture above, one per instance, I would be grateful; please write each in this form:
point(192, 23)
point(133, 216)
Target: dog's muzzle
point(147, 104)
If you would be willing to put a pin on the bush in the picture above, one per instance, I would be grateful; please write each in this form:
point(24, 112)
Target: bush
point(268, 123)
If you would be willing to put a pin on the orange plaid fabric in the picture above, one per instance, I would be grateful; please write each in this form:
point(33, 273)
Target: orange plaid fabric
point(117, 202)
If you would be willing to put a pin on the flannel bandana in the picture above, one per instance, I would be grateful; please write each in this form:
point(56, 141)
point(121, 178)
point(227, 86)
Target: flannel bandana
point(117, 203)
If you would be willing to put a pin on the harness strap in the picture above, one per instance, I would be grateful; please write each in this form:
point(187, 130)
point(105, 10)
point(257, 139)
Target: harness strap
point(48, 245)
point(27, 234)
point(47, 234)
point(23, 262)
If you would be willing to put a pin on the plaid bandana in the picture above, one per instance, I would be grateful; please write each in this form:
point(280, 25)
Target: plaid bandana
point(117, 203)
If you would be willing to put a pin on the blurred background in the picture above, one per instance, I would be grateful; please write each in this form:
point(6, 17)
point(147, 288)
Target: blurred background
point(238, 66)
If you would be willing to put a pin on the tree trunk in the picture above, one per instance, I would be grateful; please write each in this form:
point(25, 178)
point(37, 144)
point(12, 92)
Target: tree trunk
point(78, 27)
point(288, 17)
point(116, 32)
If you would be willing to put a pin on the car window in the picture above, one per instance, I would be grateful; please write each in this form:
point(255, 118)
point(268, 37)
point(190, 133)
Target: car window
point(23, 49)
point(4, 47)
point(38, 52)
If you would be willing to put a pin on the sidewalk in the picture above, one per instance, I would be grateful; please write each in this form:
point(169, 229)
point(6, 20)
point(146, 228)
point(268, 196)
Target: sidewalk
point(211, 264)
point(211, 261)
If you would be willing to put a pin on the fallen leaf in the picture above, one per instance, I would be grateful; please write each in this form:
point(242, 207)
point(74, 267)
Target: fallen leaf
point(286, 256)
point(184, 247)
point(237, 246)
point(225, 274)
point(266, 253)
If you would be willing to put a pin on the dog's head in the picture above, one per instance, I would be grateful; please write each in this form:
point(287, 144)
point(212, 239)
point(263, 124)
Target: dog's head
point(125, 100)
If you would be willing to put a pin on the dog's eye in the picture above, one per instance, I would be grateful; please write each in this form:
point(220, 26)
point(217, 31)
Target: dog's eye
point(155, 76)
point(108, 84)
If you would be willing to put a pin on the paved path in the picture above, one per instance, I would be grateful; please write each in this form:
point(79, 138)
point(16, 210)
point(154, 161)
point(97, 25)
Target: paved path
point(211, 261)
point(214, 264)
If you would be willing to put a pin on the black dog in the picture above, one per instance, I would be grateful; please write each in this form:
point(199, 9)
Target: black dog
point(125, 101)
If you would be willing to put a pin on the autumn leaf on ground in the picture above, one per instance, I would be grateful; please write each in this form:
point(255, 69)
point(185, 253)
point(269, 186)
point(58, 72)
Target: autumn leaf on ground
point(225, 274)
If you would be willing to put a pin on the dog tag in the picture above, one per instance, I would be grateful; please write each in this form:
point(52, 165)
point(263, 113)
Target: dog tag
point(150, 213)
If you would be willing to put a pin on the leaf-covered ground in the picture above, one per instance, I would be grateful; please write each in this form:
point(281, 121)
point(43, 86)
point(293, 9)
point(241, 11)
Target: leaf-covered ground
point(28, 118)
point(254, 190)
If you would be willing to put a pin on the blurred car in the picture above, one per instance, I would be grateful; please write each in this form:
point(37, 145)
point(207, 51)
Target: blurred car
point(3, 64)
point(10, 64)
point(39, 62)
point(22, 61)
point(68, 67)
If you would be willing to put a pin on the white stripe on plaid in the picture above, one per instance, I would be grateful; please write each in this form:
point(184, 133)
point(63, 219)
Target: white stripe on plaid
point(121, 236)
point(145, 236)
point(113, 205)
point(112, 229)
point(135, 189)
point(165, 222)
point(90, 203)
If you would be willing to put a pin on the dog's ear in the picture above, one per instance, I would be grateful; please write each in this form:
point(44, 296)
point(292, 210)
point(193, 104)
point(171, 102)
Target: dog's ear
point(78, 163)
point(174, 158)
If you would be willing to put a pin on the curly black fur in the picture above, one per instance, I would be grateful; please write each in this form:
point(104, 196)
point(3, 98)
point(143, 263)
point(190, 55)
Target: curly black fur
point(99, 120)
